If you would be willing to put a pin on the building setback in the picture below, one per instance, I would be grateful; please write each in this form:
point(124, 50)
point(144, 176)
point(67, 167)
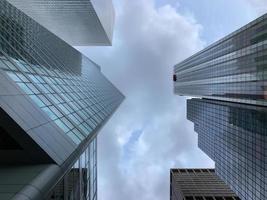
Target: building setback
point(229, 79)
point(198, 184)
point(235, 137)
point(54, 100)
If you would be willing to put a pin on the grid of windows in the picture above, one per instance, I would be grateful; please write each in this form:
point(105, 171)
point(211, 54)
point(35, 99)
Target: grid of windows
point(198, 184)
point(64, 84)
point(232, 69)
point(234, 135)
point(81, 177)
point(93, 19)
point(65, 96)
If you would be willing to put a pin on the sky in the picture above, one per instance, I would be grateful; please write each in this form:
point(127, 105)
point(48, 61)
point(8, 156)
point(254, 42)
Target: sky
point(149, 133)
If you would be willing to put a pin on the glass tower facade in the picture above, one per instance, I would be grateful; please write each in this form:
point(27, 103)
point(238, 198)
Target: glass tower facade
point(53, 100)
point(198, 184)
point(229, 79)
point(80, 182)
point(235, 136)
point(78, 22)
point(232, 69)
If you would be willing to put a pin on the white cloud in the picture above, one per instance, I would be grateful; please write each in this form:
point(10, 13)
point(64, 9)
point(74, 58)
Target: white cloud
point(258, 6)
point(148, 42)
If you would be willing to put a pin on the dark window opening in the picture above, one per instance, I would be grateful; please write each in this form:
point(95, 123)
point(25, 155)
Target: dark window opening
point(174, 77)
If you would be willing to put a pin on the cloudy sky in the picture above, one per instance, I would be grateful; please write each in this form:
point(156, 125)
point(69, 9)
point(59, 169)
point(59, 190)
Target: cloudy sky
point(149, 133)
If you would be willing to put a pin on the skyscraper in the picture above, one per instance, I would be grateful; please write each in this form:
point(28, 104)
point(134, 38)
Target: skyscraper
point(198, 184)
point(232, 69)
point(78, 22)
point(54, 100)
point(230, 119)
point(234, 135)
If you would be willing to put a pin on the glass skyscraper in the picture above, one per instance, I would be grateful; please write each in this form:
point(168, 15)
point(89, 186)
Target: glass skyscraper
point(54, 100)
point(234, 135)
point(78, 22)
point(232, 69)
point(229, 115)
point(198, 184)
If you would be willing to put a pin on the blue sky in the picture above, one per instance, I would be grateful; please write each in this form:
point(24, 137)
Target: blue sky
point(149, 134)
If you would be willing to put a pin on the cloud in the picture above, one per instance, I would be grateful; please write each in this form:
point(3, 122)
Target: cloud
point(258, 6)
point(149, 133)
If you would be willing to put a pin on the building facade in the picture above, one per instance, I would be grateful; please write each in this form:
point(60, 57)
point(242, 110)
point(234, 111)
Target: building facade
point(234, 136)
point(198, 184)
point(232, 69)
point(78, 22)
point(80, 182)
point(229, 115)
point(54, 100)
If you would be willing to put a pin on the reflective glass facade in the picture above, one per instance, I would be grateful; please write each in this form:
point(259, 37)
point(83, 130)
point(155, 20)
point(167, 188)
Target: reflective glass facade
point(232, 69)
point(71, 91)
point(53, 102)
point(80, 182)
point(78, 22)
point(235, 136)
point(198, 184)
point(231, 118)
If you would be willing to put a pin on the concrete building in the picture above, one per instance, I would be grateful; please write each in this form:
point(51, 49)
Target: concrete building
point(198, 184)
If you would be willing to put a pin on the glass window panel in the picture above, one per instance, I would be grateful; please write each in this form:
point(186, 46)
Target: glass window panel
point(59, 98)
point(37, 100)
point(83, 128)
point(78, 133)
point(67, 122)
point(65, 110)
point(56, 88)
point(13, 76)
point(28, 68)
point(76, 121)
point(68, 107)
point(49, 112)
point(40, 79)
point(56, 111)
point(53, 98)
point(47, 79)
point(45, 100)
point(74, 138)
point(48, 88)
point(62, 125)
point(33, 88)
point(24, 87)
point(33, 78)
point(77, 117)
point(23, 68)
point(2, 65)
point(10, 65)
point(22, 77)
